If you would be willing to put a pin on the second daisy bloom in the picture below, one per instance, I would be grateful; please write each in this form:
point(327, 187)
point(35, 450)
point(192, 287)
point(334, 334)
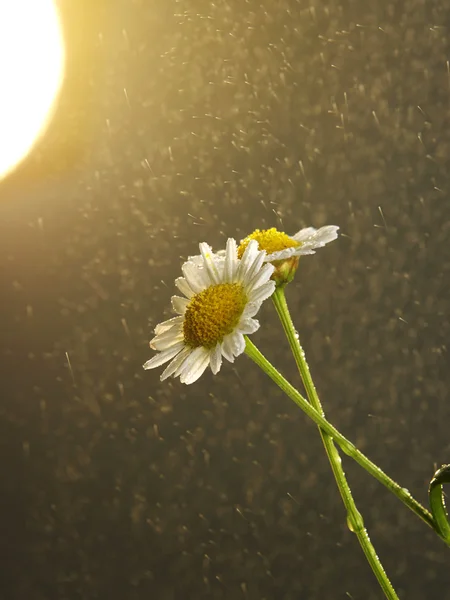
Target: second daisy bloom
point(284, 251)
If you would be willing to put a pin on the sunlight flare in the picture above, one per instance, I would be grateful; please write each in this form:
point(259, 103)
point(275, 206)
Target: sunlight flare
point(31, 73)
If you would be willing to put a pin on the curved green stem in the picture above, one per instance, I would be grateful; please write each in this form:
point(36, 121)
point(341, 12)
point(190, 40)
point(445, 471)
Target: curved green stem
point(354, 517)
point(437, 503)
point(346, 446)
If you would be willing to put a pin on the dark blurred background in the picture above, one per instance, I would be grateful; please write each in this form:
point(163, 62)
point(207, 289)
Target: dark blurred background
point(183, 121)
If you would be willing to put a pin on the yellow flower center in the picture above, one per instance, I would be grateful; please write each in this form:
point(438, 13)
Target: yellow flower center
point(213, 314)
point(270, 240)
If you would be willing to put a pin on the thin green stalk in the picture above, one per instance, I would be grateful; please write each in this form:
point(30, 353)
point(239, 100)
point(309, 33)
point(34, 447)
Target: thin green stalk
point(346, 446)
point(281, 306)
point(354, 517)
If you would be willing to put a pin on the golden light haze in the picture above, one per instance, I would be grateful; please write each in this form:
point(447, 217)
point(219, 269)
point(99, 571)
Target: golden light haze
point(31, 73)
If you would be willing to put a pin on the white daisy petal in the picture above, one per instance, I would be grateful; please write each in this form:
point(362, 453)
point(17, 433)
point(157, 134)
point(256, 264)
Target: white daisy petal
point(219, 262)
point(248, 326)
point(311, 238)
point(209, 262)
point(192, 376)
point(184, 362)
point(231, 261)
point(251, 309)
point(305, 250)
point(220, 266)
point(179, 304)
point(195, 277)
point(229, 345)
point(162, 357)
point(184, 287)
point(167, 339)
point(197, 367)
point(189, 361)
point(256, 266)
point(261, 277)
point(215, 359)
point(197, 259)
point(263, 292)
point(176, 362)
point(287, 253)
point(324, 235)
point(304, 234)
point(250, 253)
point(227, 349)
point(166, 325)
point(237, 342)
point(240, 343)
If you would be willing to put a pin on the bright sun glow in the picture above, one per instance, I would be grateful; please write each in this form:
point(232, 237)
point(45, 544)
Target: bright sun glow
point(31, 72)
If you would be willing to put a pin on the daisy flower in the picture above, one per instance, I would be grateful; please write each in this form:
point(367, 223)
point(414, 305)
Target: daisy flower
point(278, 245)
point(222, 294)
point(284, 251)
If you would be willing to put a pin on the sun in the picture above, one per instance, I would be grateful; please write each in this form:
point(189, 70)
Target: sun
point(31, 73)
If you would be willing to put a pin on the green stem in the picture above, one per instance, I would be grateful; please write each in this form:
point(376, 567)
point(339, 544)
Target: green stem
point(437, 503)
point(346, 446)
point(354, 517)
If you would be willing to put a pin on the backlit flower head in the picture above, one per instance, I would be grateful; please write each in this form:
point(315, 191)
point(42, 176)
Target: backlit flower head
point(222, 295)
point(283, 251)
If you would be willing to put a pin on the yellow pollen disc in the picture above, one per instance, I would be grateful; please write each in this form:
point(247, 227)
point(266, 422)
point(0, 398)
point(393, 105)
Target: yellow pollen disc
point(213, 314)
point(270, 240)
